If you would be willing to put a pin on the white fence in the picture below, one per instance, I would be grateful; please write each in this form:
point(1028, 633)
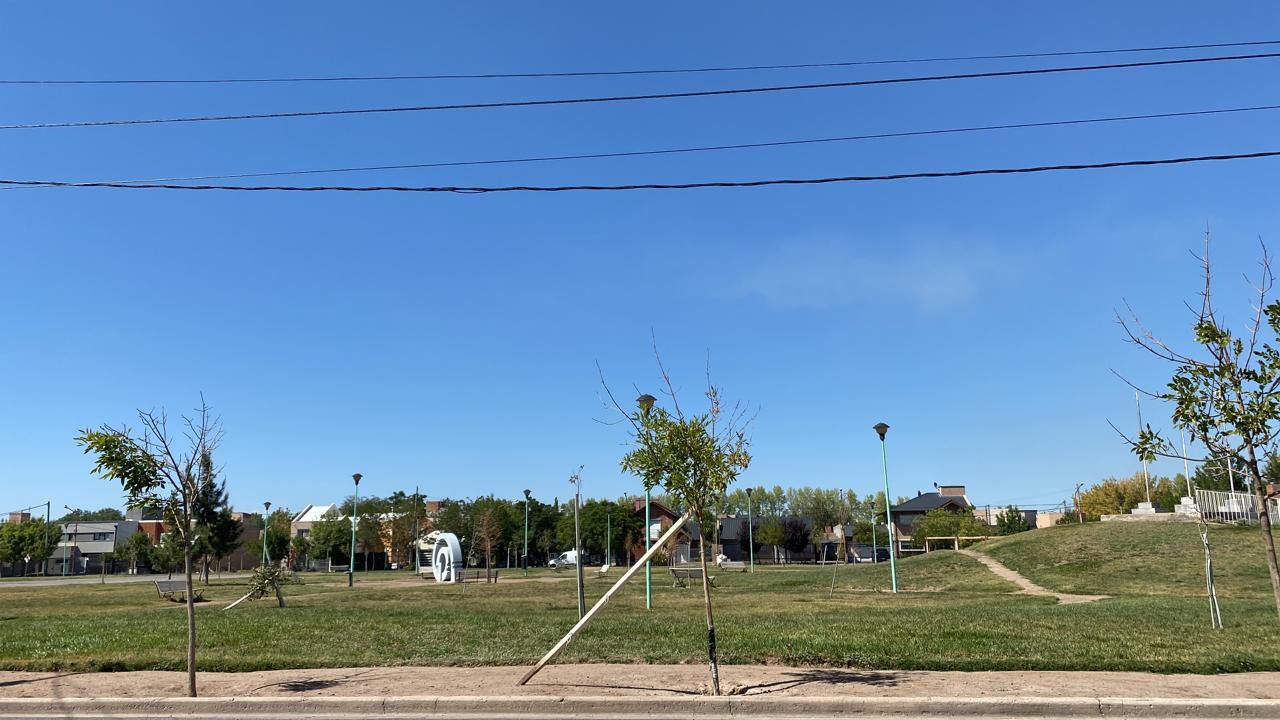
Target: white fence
point(1233, 506)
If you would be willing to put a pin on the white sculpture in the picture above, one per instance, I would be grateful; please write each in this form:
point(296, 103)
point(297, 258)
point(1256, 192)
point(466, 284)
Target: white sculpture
point(446, 556)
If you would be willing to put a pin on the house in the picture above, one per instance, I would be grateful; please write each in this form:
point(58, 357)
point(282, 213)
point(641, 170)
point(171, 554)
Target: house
point(83, 544)
point(301, 524)
point(990, 515)
point(661, 518)
point(905, 514)
point(732, 525)
point(150, 521)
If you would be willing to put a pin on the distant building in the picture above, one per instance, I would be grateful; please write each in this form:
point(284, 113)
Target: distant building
point(301, 524)
point(82, 545)
point(905, 514)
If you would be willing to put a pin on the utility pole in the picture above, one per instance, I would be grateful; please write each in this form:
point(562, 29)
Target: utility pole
point(576, 479)
point(417, 533)
point(1079, 510)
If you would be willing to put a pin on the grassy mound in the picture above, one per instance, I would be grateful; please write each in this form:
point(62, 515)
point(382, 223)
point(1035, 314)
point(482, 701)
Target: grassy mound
point(1137, 558)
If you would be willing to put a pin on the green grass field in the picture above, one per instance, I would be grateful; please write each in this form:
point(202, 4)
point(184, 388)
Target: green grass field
point(953, 615)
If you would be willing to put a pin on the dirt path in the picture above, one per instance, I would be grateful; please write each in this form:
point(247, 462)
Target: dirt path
point(1028, 587)
point(641, 680)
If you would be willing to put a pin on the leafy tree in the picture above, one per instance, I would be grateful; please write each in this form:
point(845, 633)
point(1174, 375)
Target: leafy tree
point(155, 471)
point(1011, 520)
point(301, 547)
point(279, 532)
point(795, 536)
point(945, 522)
point(749, 534)
point(106, 514)
point(1117, 496)
point(136, 549)
point(694, 458)
point(1226, 395)
point(269, 579)
point(487, 531)
point(770, 533)
point(331, 538)
point(223, 534)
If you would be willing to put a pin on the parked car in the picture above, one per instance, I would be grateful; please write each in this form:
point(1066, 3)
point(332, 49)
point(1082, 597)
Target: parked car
point(564, 560)
point(865, 554)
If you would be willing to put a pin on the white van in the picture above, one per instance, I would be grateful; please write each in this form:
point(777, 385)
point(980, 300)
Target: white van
point(564, 560)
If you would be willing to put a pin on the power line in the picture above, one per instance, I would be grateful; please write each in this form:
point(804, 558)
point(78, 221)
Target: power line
point(649, 71)
point(645, 186)
point(630, 98)
point(709, 148)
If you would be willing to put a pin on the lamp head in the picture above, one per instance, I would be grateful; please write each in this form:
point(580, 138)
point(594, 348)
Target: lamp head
point(267, 506)
point(646, 402)
point(748, 492)
point(881, 429)
point(526, 494)
point(357, 477)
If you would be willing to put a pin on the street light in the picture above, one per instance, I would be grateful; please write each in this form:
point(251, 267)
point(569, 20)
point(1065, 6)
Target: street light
point(881, 429)
point(646, 402)
point(266, 528)
point(526, 533)
point(355, 502)
point(751, 541)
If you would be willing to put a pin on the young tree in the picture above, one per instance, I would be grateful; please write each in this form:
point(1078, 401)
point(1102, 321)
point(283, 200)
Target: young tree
point(947, 523)
point(135, 550)
point(1226, 395)
point(487, 531)
point(331, 538)
point(770, 533)
point(1011, 520)
point(155, 471)
point(694, 458)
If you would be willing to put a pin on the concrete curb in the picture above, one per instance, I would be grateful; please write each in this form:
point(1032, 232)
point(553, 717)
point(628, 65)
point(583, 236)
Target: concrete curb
point(478, 707)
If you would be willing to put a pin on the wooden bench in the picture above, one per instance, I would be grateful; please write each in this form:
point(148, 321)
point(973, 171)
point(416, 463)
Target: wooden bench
point(733, 566)
point(476, 575)
point(169, 588)
point(682, 575)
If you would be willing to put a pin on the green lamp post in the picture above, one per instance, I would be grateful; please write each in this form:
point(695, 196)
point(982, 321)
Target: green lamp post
point(646, 402)
point(881, 429)
point(355, 503)
point(751, 541)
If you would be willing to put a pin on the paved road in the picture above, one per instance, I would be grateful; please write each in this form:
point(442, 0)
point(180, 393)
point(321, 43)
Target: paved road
point(14, 583)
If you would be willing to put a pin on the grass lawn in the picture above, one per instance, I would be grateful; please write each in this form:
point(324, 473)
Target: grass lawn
point(953, 614)
point(1137, 558)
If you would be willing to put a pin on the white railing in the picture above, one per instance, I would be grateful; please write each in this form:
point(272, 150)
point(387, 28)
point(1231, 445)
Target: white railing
point(1233, 506)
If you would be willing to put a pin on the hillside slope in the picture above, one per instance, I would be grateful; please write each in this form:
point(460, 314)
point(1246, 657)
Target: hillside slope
point(1136, 558)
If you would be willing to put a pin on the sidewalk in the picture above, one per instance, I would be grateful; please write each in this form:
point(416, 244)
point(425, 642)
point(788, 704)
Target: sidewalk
point(670, 681)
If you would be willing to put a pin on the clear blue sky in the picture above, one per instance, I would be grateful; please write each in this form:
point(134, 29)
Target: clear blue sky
point(451, 341)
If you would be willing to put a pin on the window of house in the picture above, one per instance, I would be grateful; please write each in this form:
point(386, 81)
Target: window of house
point(102, 536)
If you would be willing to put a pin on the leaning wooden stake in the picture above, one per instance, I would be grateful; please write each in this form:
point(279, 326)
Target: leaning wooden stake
point(564, 641)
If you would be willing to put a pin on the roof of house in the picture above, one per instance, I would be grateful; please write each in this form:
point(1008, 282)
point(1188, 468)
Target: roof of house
point(314, 513)
point(925, 502)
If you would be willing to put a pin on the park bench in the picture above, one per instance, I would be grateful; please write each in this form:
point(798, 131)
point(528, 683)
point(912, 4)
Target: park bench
point(733, 566)
point(338, 568)
point(169, 588)
point(477, 575)
point(682, 575)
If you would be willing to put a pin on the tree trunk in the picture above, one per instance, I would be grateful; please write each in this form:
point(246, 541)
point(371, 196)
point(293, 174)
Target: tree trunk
point(279, 596)
point(191, 625)
point(1264, 519)
point(712, 664)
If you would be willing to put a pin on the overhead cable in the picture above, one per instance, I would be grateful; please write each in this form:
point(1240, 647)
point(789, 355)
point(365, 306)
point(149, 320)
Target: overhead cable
point(707, 148)
point(651, 71)
point(631, 98)
point(647, 186)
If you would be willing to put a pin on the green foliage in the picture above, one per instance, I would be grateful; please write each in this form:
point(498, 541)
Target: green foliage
point(268, 580)
point(120, 457)
point(34, 539)
point(331, 539)
point(301, 547)
point(279, 530)
point(794, 536)
point(106, 514)
point(944, 522)
point(136, 549)
point(1010, 521)
point(1117, 496)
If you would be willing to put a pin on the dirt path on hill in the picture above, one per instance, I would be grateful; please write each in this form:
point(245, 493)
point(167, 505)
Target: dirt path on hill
point(1028, 587)
point(641, 680)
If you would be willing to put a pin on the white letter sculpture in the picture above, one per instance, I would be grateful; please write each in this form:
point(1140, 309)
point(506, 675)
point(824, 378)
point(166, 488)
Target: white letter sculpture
point(446, 557)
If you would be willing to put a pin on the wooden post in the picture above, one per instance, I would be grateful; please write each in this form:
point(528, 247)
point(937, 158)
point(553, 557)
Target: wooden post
point(564, 641)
